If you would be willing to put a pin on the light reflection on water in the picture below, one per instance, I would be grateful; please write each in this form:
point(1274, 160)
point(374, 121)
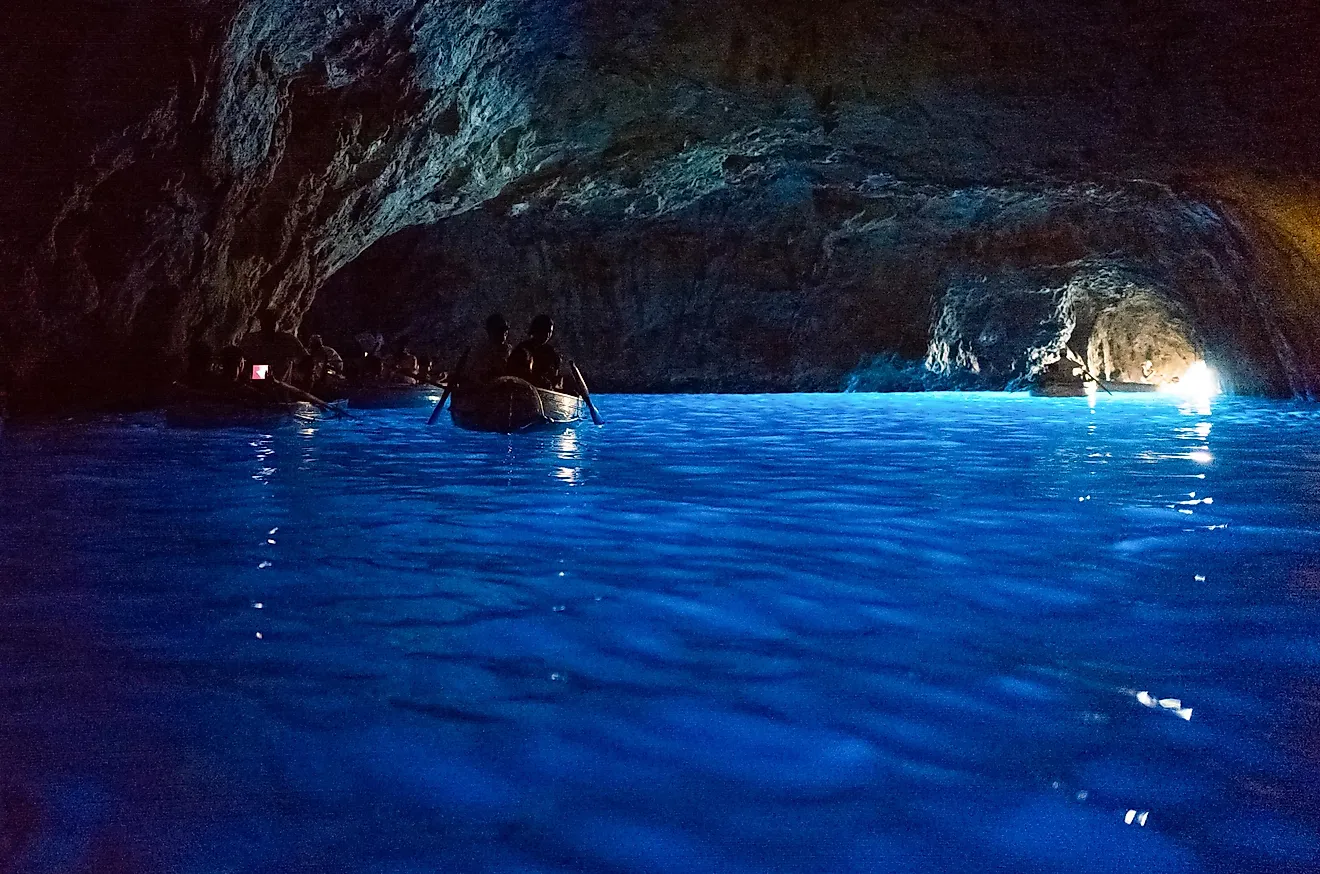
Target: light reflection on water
point(790, 633)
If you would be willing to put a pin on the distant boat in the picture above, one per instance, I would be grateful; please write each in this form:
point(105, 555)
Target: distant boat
point(511, 404)
point(225, 414)
point(192, 408)
point(1082, 389)
point(386, 396)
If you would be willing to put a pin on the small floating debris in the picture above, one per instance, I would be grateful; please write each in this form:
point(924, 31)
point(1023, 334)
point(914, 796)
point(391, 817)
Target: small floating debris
point(259, 635)
point(257, 605)
point(1133, 816)
point(264, 564)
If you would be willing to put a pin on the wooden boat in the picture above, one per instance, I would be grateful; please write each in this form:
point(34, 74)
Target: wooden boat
point(192, 408)
point(511, 404)
point(1082, 389)
point(387, 396)
point(1063, 389)
point(1131, 387)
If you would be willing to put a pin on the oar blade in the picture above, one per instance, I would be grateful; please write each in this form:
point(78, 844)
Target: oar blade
point(453, 378)
point(586, 395)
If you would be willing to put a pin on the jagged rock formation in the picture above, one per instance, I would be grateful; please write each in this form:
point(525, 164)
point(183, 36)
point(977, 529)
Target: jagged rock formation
point(847, 176)
point(815, 273)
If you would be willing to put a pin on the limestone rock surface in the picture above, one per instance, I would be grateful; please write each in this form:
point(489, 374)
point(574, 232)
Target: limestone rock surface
point(717, 194)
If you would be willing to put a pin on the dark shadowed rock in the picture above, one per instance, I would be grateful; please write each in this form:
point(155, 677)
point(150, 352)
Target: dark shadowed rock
point(716, 194)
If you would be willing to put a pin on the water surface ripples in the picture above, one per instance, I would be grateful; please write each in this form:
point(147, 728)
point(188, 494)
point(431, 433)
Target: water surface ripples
point(734, 634)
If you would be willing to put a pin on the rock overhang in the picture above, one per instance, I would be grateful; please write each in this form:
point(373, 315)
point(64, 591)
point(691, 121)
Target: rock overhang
point(310, 131)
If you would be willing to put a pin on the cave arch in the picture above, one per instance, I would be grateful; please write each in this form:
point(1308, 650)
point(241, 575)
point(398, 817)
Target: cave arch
point(1138, 329)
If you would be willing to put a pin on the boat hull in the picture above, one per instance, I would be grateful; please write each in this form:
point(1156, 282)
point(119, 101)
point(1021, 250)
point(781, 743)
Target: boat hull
point(219, 414)
point(387, 397)
point(1082, 389)
point(1062, 389)
point(510, 404)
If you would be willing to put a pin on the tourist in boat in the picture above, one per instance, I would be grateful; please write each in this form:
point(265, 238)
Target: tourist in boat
point(404, 365)
point(543, 370)
point(230, 363)
point(326, 366)
point(369, 366)
point(520, 364)
point(279, 350)
point(492, 358)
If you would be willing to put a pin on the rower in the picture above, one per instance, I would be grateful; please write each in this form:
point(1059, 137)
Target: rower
point(543, 371)
point(492, 358)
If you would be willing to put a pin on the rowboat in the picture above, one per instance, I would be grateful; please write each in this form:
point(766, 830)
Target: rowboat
point(511, 404)
point(1063, 389)
point(206, 409)
point(1081, 389)
point(386, 396)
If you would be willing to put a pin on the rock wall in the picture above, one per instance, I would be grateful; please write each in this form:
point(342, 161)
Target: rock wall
point(817, 274)
point(174, 168)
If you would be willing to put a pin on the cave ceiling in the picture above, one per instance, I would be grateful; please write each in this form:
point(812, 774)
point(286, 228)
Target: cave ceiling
point(174, 168)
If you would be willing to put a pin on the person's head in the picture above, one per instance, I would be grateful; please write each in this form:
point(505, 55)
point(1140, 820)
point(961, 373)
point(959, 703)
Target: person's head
point(268, 319)
point(496, 328)
point(541, 328)
point(315, 342)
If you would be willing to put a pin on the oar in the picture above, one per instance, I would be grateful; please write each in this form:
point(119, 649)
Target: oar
point(1086, 370)
point(586, 395)
point(309, 398)
point(453, 378)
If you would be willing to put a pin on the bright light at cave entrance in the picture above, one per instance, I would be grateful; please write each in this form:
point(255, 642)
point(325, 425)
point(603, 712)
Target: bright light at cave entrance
point(1198, 381)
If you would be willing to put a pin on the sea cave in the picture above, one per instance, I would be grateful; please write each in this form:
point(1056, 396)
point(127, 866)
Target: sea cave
point(942, 492)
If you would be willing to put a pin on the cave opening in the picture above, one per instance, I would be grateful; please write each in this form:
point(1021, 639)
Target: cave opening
point(1142, 339)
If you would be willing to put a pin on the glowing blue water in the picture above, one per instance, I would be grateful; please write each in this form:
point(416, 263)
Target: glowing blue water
point(733, 634)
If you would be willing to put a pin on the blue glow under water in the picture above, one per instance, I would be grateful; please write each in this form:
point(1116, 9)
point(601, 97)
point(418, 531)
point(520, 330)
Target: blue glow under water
point(728, 634)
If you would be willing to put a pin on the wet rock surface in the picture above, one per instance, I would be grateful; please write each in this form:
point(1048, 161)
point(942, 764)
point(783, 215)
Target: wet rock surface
point(718, 195)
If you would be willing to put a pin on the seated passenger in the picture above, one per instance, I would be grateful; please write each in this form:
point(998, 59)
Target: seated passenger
point(544, 368)
point(492, 356)
point(280, 350)
point(231, 363)
point(326, 365)
point(372, 370)
point(403, 366)
point(368, 366)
